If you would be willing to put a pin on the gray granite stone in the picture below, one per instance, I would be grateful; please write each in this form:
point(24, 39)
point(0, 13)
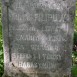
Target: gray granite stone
point(38, 37)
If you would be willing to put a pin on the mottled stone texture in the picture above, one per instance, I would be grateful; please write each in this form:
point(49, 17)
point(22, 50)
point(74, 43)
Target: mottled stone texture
point(38, 37)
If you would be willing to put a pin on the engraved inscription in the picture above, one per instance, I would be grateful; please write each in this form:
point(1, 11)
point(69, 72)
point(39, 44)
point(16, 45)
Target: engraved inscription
point(39, 31)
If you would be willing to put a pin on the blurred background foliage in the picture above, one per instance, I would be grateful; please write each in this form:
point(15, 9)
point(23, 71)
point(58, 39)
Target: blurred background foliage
point(74, 54)
point(1, 46)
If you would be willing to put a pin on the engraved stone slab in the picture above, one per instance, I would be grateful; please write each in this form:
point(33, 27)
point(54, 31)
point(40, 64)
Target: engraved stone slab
point(38, 36)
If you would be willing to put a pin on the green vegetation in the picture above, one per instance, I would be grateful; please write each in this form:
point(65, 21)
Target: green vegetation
point(1, 47)
point(74, 55)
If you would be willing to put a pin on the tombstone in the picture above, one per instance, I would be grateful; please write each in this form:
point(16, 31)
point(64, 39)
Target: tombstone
point(38, 37)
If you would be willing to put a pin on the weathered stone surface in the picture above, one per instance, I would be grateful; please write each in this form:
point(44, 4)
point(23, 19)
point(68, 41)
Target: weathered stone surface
point(38, 37)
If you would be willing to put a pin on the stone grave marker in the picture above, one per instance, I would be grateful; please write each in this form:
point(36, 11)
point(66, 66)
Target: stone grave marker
point(38, 37)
